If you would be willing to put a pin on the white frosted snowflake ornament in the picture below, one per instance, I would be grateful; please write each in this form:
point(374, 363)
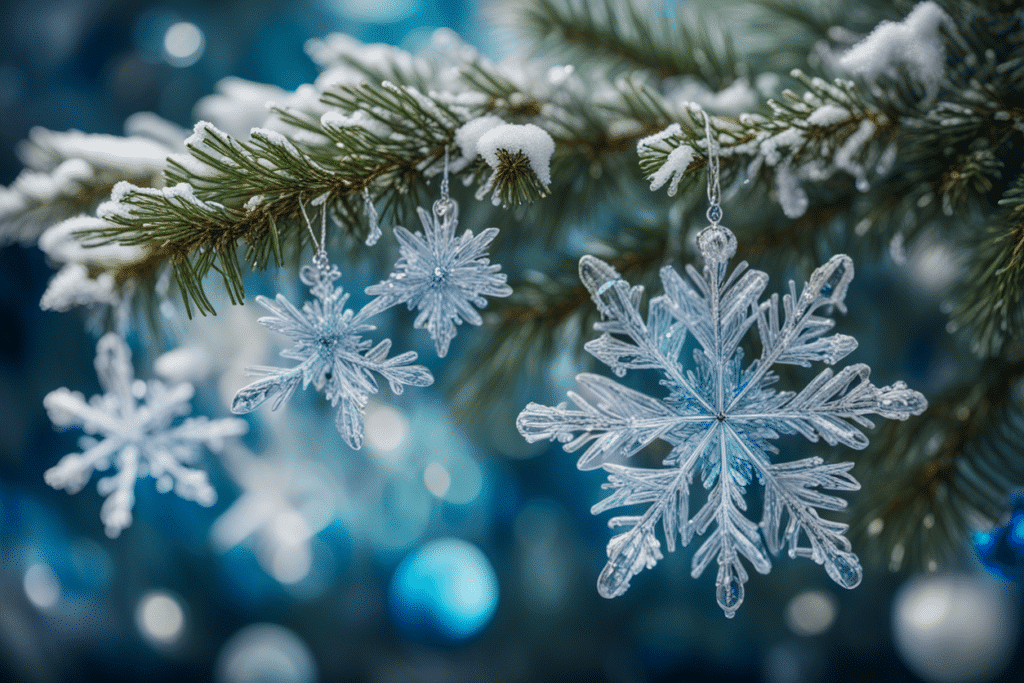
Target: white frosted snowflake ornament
point(334, 356)
point(129, 427)
point(441, 275)
point(719, 416)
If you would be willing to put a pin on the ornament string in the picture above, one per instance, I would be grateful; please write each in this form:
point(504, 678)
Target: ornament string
point(321, 276)
point(714, 213)
point(320, 257)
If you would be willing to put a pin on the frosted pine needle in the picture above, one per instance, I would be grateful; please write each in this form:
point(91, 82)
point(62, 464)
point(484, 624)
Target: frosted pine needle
point(719, 417)
point(441, 275)
point(334, 356)
point(131, 422)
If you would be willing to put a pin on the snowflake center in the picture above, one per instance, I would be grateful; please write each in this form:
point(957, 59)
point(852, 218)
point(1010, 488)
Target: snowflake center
point(720, 417)
point(439, 276)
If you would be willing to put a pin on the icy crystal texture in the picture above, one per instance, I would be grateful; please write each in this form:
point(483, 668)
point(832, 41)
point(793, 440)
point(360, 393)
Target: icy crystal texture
point(441, 275)
point(334, 356)
point(129, 426)
point(719, 416)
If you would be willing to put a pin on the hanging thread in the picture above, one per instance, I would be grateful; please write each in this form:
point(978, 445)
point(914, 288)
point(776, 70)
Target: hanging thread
point(714, 213)
point(320, 257)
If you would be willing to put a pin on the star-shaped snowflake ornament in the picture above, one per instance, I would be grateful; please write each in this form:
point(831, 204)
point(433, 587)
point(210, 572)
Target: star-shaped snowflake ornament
point(132, 423)
point(334, 356)
point(441, 275)
point(719, 416)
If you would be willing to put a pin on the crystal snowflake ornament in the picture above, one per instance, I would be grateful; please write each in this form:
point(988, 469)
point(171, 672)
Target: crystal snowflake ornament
point(719, 415)
point(441, 275)
point(335, 358)
point(129, 427)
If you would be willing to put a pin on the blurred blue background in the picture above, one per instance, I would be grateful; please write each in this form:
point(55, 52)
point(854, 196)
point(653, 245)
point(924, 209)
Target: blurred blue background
point(424, 557)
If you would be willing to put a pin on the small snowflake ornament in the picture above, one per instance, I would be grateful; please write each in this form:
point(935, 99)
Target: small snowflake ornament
point(441, 275)
point(335, 358)
point(719, 416)
point(129, 427)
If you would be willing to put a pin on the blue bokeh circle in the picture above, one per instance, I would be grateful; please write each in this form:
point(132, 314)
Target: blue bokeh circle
point(446, 589)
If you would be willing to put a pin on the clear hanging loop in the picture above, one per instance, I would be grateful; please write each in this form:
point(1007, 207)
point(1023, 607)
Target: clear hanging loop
point(320, 257)
point(443, 205)
point(714, 213)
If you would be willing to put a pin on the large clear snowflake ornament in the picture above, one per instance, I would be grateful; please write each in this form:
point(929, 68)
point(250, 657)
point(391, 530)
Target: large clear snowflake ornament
point(334, 356)
point(129, 427)
point(441, 275)
point(719, 417)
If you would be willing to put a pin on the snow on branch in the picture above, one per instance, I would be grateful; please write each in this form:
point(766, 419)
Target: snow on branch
point(914, 44)
point(809, 139)
point(69, 173)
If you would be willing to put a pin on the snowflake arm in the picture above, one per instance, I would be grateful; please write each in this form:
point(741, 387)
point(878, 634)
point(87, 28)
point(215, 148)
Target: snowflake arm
point(620, 422)
point(788, 492)
point(334, 356)
point(734, 534)
point(129, 427)
point(441, 275)
point(720, 418)
point(826, 407)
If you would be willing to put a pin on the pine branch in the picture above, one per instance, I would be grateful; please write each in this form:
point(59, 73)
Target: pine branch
point(931, 481)
point(252, 191)
point(830, 128)
point(989, 308)
point(70, 173)
point(392, 137)
point(641, 34)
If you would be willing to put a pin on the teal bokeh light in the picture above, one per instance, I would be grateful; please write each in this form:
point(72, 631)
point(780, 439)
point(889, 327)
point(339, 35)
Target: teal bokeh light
point(447, 589)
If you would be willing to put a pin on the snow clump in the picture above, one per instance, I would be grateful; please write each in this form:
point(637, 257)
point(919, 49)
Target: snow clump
point(529, 139)
point(914, 43)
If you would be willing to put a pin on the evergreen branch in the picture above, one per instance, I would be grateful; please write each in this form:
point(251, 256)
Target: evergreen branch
point(24, 217)
point(392, 136)
point(812, 19)
point(829, 128)
point(641, 34)
point(226, 190)
point(989, 308)
point(933, 480)
point(69, 173)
